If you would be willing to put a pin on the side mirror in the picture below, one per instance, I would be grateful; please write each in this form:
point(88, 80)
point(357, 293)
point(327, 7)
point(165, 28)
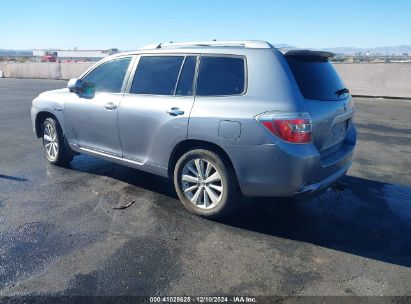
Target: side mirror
point(84, 88)
point(75, 85)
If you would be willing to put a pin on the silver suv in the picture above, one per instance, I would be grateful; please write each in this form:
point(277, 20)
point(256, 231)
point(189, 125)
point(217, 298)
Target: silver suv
point(218, 118)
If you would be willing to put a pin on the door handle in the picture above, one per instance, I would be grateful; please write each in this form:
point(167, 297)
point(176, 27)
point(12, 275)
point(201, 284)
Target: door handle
point(174, 111)
point(110, 106)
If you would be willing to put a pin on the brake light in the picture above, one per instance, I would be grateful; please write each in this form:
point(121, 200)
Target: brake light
point(292, 128)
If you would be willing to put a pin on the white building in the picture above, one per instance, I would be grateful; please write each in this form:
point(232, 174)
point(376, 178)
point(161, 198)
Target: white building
point(39, 53)
point(75, 54)
point(85, 53)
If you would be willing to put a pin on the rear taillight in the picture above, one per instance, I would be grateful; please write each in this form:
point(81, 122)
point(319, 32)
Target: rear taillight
point(293, 128)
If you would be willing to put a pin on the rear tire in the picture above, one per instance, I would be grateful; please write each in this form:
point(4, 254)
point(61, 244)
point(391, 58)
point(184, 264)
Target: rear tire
point(55, 146)
point(205, 184)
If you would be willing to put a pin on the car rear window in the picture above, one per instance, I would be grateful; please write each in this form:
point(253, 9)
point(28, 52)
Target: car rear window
point(316, 77)
point(221, 76)
point(164, 75)
point(157, 75)
point(186, 79)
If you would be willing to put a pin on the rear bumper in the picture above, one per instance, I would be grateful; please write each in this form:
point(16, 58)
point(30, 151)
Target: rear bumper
point(284, 170)
point(325, 183)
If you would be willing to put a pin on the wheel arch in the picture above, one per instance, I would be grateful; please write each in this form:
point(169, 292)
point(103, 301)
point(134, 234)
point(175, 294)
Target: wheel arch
point(40, 117)
point(191, 144)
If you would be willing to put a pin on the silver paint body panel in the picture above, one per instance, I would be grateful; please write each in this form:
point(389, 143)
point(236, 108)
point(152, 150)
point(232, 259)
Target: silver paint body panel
point(141, 134)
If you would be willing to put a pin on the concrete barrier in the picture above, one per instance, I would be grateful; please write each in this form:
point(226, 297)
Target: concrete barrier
point(377, 79)
point(33, 70)
point(3, 67)
point(73, 70)
point(46, 70)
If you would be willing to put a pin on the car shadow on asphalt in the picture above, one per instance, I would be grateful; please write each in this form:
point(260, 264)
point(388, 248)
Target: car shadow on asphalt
point(148, 181)
point(365, 217)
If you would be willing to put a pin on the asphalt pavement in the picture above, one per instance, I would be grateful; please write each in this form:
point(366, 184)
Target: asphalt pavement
point(59, 233)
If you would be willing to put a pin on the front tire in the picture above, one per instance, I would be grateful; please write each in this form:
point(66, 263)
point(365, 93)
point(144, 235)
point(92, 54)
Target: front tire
point(55, 147)
point(205, 184)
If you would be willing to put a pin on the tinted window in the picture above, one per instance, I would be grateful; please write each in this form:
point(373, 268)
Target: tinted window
point(109, 76)
point(316, 78)
point(185, 82)
point(220, 76)
point(157, 75)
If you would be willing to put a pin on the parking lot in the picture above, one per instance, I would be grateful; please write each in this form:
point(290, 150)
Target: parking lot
point(59, 233)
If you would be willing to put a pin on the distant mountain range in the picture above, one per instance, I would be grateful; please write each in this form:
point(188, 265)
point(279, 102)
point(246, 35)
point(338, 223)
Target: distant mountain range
point(15, 53)
point(384, 50)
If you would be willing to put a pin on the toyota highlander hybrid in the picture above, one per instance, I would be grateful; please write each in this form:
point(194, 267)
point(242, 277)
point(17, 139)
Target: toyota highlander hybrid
point(219, 119)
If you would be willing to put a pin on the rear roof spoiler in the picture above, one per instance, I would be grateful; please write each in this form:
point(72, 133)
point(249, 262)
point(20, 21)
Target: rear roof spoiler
point(308, 53)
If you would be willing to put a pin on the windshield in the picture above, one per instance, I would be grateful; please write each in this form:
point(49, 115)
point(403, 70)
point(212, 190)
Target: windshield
point(317, 78)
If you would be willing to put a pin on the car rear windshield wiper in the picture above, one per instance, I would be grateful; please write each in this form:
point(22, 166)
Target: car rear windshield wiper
point(342, 91)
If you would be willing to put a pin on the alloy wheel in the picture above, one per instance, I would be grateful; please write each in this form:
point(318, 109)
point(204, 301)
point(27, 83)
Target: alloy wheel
point(202, 183)
point(50, 141)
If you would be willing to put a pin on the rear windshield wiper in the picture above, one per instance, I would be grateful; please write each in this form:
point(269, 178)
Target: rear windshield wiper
point(342, 91)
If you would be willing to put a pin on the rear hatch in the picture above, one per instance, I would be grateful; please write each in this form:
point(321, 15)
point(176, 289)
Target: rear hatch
point(328, 100)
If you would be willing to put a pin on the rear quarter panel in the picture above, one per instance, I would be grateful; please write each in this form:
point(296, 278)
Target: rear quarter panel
point(270, 87)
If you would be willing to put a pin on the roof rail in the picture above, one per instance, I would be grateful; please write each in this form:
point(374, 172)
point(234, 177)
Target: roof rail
point(248, 44)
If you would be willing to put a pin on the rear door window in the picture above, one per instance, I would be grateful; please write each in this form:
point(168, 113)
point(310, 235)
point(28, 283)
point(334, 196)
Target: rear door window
point(316, 77)
point(186, 78)
point(157, 75)
point(221, 76)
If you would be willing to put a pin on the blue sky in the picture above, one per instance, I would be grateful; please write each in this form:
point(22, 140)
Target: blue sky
point(127, 24)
